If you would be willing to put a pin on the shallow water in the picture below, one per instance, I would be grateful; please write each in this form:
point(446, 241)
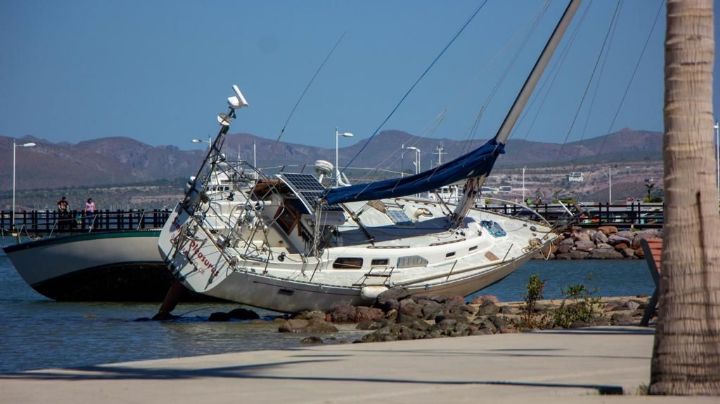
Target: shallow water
point(39, 333)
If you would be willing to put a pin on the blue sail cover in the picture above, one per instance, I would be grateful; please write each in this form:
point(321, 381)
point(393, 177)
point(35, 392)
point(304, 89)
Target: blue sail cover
point(476, 163)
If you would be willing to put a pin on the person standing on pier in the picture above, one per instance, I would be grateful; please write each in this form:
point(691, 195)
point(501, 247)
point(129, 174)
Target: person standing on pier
point(63, 208)
point(89, 212)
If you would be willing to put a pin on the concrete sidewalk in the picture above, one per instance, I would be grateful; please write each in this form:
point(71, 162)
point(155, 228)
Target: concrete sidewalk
point(545, 367)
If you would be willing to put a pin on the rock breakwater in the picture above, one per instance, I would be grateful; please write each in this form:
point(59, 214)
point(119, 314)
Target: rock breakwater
point(605, 242)
point(396, 315)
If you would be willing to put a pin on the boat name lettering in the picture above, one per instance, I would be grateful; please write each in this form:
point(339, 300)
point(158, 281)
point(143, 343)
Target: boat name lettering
point(194, 251)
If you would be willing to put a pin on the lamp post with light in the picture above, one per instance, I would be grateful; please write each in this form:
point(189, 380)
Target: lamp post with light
point(15, 146)
point(337, 154)
point(417, 158)
point(208, 141)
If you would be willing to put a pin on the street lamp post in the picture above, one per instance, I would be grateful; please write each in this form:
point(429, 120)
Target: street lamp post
point(337, 154)
point(523, 185)
point(417, 158)
point(208, 141)
point(609, 185)
point(15, 146)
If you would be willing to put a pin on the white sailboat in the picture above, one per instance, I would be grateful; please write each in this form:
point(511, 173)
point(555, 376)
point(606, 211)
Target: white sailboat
point(290, 244)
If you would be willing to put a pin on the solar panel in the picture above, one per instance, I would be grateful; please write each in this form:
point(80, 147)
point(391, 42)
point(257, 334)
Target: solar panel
point(308, 189)
point(398, 216)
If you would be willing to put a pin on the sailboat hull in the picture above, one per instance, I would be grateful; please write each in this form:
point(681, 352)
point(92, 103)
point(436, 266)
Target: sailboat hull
point(205, 267)
point(287, 296)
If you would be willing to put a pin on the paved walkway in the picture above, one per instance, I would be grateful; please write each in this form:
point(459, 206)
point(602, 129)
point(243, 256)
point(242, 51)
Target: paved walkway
point(547, 367)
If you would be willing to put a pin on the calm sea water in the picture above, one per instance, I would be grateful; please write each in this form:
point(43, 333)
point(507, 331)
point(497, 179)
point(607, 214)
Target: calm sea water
point(39, 333)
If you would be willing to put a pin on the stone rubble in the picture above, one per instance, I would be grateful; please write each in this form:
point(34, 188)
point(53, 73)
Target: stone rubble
point(605, 242)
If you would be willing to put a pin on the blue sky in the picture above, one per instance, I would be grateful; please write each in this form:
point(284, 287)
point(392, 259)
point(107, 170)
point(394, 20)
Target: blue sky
point(158, 71)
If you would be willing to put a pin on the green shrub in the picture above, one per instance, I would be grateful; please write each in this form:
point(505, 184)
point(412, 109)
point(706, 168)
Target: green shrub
point(578, 305)
point(535, 287)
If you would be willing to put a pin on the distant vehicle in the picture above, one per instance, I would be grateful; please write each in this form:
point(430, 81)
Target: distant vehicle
point(576, 177)
point(505, 188)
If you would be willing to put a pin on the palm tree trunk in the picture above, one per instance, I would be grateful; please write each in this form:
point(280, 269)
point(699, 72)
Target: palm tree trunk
point(686, 353)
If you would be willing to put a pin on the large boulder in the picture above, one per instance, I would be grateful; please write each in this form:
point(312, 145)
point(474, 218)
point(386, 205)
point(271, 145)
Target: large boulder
point(310, 315)
point(219, 316)
point(578, 255)
point(311, 340)
point(294, 325)
point(243, 314)
point(343, 314)
point(486, 324)
point(605, 254)
point(396, 293)
point(621, 246)
point(488, 308)
point(430, 308)
point(363, 313)
point(483, 299)
point(608, 230)
point(628, 252)
point(565, 248)
point(615, 239)
point(581, 236)
point(320, 327)
point(584, 245)
point(600, 238)
point(302, 326)
point(627, 234)
point(409, 308)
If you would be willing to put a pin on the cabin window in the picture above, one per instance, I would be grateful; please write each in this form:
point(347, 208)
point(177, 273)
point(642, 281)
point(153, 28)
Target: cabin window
point(379, 262)
point(348, 263)
point(473, 248)
point(412, 261)
point(450, 254)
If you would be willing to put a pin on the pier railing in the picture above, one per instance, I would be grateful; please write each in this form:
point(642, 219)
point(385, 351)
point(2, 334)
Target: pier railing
point(637, 215)
point(52, 221)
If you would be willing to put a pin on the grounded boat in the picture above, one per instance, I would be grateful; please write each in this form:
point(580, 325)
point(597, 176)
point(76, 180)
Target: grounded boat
point(101, 266)
point(291, 244)
point(112, 265)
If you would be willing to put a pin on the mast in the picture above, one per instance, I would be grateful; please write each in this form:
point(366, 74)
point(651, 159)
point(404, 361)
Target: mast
point(473, 185)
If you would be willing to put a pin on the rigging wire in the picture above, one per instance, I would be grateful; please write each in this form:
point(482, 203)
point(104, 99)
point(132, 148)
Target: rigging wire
point(605, 54)
point(473, 129)
point(635, 70)
point(307, 87)
point(553, 74)
point(592, 75)
point(417, 81)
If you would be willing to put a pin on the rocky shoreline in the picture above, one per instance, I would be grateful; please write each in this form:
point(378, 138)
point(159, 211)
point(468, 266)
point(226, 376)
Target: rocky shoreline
point(396, 315)
point(605, 242)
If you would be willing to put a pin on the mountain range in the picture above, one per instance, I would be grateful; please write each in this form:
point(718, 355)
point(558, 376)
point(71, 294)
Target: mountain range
point(122, 160)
